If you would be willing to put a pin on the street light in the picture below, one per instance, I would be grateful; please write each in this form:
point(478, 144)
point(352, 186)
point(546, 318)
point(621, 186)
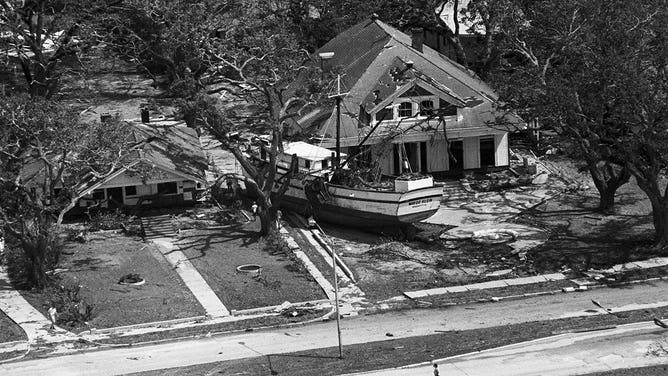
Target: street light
point(324, 56)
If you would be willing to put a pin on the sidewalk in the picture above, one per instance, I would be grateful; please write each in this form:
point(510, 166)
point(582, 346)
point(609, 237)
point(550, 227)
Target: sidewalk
point(33, 322)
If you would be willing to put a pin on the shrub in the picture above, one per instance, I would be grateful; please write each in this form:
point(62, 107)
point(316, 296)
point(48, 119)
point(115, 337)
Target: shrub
point(115, 220)
point(72, 309)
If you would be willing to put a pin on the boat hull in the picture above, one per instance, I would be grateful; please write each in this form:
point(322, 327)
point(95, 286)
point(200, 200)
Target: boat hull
point(365, 208)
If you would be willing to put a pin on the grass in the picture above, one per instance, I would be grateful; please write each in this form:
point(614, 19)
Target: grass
point(399, 352)
point(660, 370)
point(98, 265)
point(216, 253)
point(9, 331)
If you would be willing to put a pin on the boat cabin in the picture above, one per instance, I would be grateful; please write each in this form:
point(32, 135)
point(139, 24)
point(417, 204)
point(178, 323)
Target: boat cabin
point(311, 157)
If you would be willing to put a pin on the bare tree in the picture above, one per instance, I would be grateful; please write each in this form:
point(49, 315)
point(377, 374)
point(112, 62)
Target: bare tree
point(39, 35)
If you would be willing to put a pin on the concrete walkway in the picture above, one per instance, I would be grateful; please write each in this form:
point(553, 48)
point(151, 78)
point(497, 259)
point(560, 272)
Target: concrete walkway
point(33, 322)
point(191, 277)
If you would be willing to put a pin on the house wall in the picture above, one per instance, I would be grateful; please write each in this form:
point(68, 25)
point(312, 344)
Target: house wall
point(501, 147)
point(186, 190)
point(438, 159)
point(471, 152)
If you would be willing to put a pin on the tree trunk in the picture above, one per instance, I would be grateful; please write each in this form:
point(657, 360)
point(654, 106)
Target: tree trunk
point(660, 218)
point(659, 208)
point(607, 177)
point(35, 251)
point(267, 222)
point(39, 278)
point(606, 202)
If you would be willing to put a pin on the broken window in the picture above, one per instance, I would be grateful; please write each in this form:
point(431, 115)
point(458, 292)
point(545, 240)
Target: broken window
point(167, 188)
point(426, 107)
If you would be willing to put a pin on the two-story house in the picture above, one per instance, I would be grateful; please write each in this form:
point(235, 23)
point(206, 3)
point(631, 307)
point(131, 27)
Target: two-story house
point(424, 112)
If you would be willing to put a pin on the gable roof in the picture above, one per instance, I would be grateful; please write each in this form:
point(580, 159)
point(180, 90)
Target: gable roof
point(369, 51)
point(172, 148)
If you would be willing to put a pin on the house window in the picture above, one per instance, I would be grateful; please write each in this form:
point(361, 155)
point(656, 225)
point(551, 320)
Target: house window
point(385, 114)
point(405, 109)
point(167, 188)
point(426, 107)
point(307, 164)
point(487, 155)
point(131, 190)
point(325, 164)
point(446, 109)
point(98, 194)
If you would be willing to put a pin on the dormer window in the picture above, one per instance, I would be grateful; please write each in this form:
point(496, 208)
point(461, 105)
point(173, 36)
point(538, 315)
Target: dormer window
point(405, 109)
point(426, 107)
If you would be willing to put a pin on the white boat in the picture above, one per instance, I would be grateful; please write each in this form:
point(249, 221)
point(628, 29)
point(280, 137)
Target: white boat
point(315, 189)
point(400, 202)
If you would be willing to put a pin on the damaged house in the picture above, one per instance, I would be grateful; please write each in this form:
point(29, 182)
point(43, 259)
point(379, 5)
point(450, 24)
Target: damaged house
point(169, 170)
point(415, 109)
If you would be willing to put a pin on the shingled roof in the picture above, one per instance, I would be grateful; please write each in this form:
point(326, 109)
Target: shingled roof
point(368, 54)
point(166, 145)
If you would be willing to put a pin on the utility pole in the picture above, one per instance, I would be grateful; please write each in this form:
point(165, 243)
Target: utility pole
point(330, 245)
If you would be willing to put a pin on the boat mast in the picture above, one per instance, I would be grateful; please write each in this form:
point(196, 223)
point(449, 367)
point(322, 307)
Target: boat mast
point(338, 97)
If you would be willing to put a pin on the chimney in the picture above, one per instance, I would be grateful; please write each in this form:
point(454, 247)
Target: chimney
point(144, 115)
point(374, 17)
point(417, 38)
point(105, 117)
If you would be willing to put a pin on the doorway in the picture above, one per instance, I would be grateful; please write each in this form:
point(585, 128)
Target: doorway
point(115, 197)
point(456, 155)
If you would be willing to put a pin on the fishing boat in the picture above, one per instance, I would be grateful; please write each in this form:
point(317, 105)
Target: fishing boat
point(333, 191)
point(315, 191)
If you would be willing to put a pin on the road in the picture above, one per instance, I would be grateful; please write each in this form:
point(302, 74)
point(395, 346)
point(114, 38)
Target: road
point(402, 324)
point(628, 346)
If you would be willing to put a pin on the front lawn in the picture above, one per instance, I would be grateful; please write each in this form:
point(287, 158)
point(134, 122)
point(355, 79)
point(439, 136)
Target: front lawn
point(216, 252)
point(97, 266)
point(9, 331)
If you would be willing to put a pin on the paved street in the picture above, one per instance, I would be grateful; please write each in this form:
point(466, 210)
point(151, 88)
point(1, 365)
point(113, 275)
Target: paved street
point(629, 346)
point(363, 329)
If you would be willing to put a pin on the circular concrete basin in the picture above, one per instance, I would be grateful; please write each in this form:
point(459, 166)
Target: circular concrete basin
point(494, 236)
point(249, 268)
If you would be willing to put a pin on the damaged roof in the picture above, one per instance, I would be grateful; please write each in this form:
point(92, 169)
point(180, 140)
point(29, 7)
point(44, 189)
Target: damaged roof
point(377, 60)
point(166, 145)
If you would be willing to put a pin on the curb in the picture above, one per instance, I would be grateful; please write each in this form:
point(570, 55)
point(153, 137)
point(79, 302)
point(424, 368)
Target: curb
point(154, 324)
point(21, 345)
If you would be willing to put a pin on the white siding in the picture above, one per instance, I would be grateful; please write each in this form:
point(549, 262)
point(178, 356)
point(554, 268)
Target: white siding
point(471, 152)
point(501, 147)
